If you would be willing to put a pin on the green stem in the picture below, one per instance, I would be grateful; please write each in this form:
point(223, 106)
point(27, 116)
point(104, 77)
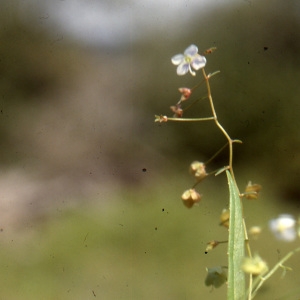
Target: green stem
point(189, 106)
point(209, 76)
point(191, 119)
point(216, 154)
point(230, 142)
point(260, 280)
point(197, 85)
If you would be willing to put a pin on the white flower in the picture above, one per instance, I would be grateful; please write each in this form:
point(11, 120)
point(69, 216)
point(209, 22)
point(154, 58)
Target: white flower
point(189, 59)
point(284, 227)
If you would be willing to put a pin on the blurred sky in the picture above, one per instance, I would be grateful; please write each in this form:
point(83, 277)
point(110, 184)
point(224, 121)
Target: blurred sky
point(114, 23)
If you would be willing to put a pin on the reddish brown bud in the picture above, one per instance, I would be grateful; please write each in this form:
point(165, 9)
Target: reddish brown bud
point(186, 93)
point(177, 110)
point(210, 50)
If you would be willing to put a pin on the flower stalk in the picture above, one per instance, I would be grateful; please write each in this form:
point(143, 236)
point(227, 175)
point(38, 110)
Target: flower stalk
point(232, 218)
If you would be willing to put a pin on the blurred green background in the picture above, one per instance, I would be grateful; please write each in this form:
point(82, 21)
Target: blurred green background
point(91, 186)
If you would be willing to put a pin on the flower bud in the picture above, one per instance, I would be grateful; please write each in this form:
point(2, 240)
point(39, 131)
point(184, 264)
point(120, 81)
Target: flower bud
point(177, 110)
point(190, 197)
point(211, 245)
point(254, 231)
point(210, 50)
point(197, 169)
point(252, 190)
point(185, 93)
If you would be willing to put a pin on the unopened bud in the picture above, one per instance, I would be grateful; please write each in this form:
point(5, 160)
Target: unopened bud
point(252, 191)
point(197, 169)
point(185, 93)
point(190, 197)
point(177, 110)
point(211, 245)
point(210, 50)
point(254, 231)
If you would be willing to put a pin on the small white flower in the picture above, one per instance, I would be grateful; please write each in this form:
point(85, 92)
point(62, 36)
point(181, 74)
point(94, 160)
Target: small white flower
point(190, 58)
point(284, 227)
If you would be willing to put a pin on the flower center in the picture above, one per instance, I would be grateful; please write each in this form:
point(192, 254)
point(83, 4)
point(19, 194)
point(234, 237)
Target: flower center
point(188, 59)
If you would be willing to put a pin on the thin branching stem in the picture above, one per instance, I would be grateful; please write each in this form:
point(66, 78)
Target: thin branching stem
point(216, 154)
point(260, 280)
point(189, 106)
point(197, 85)
point(230, 141)
point(191, 119)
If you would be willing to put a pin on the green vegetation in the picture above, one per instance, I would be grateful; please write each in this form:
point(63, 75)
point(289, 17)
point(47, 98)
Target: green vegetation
point(139, 244)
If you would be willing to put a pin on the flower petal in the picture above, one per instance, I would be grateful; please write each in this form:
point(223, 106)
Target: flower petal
point(288, 235)
point(198, 62)
point(183, 68)
point(191, 50)
point(177, 59)
point(191, 71)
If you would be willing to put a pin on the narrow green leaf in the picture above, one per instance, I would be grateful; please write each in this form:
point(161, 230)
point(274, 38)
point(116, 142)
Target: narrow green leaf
point(236, 244)
point(221, 170)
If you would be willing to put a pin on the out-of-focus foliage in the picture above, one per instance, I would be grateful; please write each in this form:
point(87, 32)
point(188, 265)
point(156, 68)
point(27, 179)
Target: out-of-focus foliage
point(149, 248)
point(34, 69)
point(89, 115)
